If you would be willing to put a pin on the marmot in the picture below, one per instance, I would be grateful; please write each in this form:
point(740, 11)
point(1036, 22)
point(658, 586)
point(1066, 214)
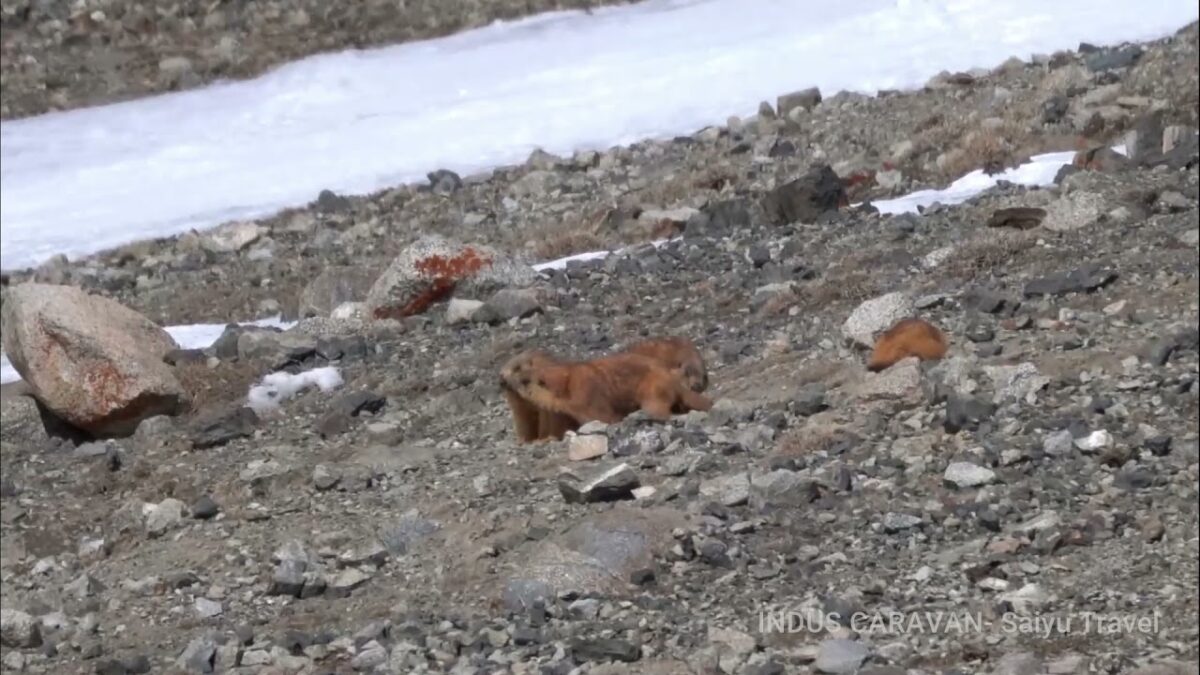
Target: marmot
point(909, 337)
point(606, 389)
point(679, 354)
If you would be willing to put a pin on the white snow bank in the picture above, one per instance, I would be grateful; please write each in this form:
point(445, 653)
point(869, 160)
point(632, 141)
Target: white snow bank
point(561, 263)
point(80, 181)
point(281, 386)
point(1039, 171)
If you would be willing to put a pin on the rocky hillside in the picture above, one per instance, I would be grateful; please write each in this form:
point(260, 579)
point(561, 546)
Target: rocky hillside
point(819, 519)
point(63, 55)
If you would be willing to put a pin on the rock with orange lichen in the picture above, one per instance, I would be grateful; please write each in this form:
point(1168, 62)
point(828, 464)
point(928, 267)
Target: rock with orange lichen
point(90, 360)
point(433, 268)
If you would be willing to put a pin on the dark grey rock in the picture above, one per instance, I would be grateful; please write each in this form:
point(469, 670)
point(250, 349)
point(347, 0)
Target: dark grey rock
point(719, 218)
point(205, 508)
point(330, 202)
point(1113, 59)
point(506, 304)
point(805, 100)
point(988, 302)
point(805, 199)
point(181, 357)
point(222, 427)
point(809, 401)
point(980, 333)
point(1055, 108)
point(199, 655)
point(601, 650)
point(898, 522)
point(444, 182)
point(342, 348)
point(1081, 280)
point(612, 484)
point(355, 403)
point(966, 412)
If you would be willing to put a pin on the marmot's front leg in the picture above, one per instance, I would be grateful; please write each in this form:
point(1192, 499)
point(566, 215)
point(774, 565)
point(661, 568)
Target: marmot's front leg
point(553, 425)
point(526, 416)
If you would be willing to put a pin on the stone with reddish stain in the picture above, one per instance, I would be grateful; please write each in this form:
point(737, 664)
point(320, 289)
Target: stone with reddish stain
point(91, 361)
point(433, 268)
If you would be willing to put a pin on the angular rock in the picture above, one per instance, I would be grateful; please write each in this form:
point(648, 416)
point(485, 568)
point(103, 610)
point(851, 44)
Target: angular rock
point(198, 656)
point(1144, 142)
point(432, 268)
point(900, 382)
point(1019, 217)
point(506, 304)
point(329, 201)
point(1016, 383)
point(967, 475)
point(278, 349)
point(806, 199)
point(840, 656)
point(965, 412)
point(164, 516)
point(783, 489)
point(719, 218)
point(231, 237)
point(21, 421)
point(91, 361)
point(444, 181)
point(1081, 280)
point(896, 522)
point(583, 448)
point(805, 100)
point(604, 649)
point(732, 490)
point(222, 426)
point(595, 557)
point(346, 581)
point(358, 402)
point(612, 484)
point(19, 630)
point(461, 310)
point(1100, 158)
point(877, 315)
point(333, 287)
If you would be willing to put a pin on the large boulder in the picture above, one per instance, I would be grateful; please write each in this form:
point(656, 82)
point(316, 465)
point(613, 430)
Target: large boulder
point(598, 556)
point(432, 268)
point(334, 287)
point(91, 361)
point(877, 315)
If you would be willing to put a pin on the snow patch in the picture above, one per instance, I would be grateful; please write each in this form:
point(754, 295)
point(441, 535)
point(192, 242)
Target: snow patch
point(281, 386)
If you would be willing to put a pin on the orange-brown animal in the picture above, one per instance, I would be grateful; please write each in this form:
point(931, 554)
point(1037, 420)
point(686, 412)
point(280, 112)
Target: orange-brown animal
point(606, 389)
point(679, 354)
point(909, 337)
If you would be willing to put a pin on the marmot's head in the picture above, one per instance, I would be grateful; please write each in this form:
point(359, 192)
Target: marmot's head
point(519, 371)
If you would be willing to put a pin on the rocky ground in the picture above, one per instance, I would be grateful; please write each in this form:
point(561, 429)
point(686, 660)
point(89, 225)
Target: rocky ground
point(1048, 468)
point(60, 55)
